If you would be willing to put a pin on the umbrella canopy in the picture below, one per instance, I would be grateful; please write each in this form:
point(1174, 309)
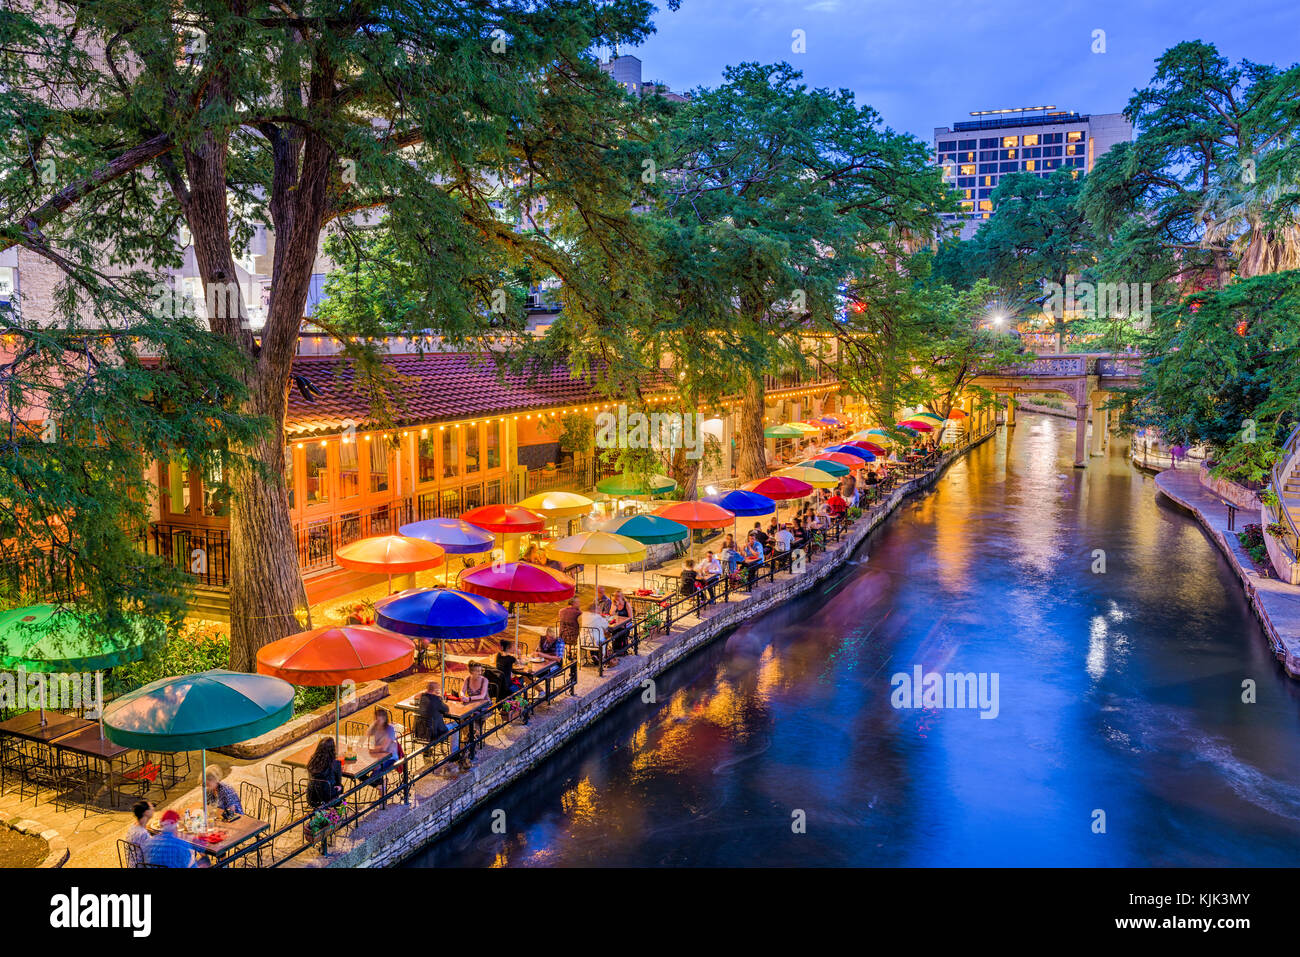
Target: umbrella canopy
point(826, 465)
point(326, 657)
point(814, 477)
point(597, 548)
point(917, 425)
point(874, 435)
point(831, 420)
point(839, 458)
point(455, 536)
point(506, 519)
point(390, 555)
point(743, 504)
point(558, 504)
point(872, 447)
point(783, 432)
point(697, 514)
point(628, 485)
point(647, 529)
point(805, 427)
point(956, 414)
point(928, 417)
point(53, 639)
point(845, 449)
point(192, 712)
point(440, 613)
point(779, 488)
point(518, 581)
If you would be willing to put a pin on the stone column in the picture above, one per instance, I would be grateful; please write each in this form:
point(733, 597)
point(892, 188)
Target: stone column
point(1080, 434)
point(1100, 422)
point(1011, 410)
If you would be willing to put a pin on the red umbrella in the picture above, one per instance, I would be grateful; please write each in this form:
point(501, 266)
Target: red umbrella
point(697, 514)
point(519, 582)
point(390, 555)
point(506, 519)
point(918, 425)
point(779, 487)
point(839, 458)
point(867, 447)
point(331, 656)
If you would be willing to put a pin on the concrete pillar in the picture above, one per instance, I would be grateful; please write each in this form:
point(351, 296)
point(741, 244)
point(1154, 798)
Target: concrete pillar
point(1080, 434)
point(1100, 421)
point(1011, 410)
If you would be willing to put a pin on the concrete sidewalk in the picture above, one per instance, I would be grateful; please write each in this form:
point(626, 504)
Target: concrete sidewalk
point(1277, 605)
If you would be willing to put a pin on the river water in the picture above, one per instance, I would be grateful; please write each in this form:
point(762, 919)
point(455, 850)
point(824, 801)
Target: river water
point(1120, 738)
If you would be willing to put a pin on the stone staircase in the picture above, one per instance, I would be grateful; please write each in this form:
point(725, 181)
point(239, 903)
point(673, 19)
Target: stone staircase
point(1282, 549)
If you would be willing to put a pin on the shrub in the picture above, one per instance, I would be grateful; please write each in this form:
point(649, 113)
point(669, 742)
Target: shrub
point(1252, 540)
point(193, 648)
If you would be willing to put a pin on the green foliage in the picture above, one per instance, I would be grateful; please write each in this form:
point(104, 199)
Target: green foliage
point(308, 698)
point(1252, 540)
point(185, 651)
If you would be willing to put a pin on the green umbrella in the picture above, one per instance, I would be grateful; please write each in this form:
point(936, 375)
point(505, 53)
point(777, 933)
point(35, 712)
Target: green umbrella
point(628, 485)
point(783, 432)
point(200, 711)
point(51, 639)
point(830, 468)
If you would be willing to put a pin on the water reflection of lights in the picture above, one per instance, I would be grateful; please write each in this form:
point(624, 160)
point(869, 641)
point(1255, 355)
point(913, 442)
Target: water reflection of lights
point(1097, 648)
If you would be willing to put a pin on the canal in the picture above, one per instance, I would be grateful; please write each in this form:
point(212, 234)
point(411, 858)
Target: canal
point(1120, 641)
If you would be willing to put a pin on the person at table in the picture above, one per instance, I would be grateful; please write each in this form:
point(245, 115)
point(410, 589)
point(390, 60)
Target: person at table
point(731, 554)
point(569, 618)
point(836, 505)
point(551, 646)
point(166, 849)
point(381, 743)
point(620, 610)
point(475, 687)
point(436, 719)
point(710, 571)
point(689, 579)
point(534, 555)
point(603, 601)
point(753, 556)
point(505, 664)
point(324, 774)
point(221, 795)
point(783, 539)
point(599, 625)
point(869, 476)
point(138, 833)
point(760, 534)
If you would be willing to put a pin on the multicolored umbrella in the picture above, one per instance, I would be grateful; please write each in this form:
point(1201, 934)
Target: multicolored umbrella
point(390, 555)
point(839, 458)
point(558, 504)
point(826, 465)
point(328, 657)
point(596, 549)
point(210, 709)
point(814, 477)
point(779, 488)
point(845, 449)
point(439, 614)
point(928, 417)
point(456, 537)
point(519, 582)
point(626, 485)
point(831, 420)
point(872, 447)
point(782, 432)
point(874, 435)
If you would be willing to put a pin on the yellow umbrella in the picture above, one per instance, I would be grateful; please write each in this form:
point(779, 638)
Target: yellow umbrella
point(597, 548)
point(805, 427)
point(814, 477)
point(558, 504)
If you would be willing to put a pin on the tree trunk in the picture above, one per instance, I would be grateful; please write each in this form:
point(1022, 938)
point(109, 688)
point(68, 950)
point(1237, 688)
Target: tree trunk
point(266, 590)
point(686, 473)
point(753, 462)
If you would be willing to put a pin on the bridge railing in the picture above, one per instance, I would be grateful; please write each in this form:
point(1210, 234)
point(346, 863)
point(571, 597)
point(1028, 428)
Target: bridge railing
point(1280, 512)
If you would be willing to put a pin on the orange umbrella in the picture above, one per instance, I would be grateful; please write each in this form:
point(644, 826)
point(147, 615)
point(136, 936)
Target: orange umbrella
point(695, 515)
point(956, 414)
point(332, 656)
point(390, 555)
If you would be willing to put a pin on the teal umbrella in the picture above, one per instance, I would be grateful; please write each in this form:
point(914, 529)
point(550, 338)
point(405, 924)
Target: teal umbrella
point(52, 639)
point(200, 711)
point(648, 530)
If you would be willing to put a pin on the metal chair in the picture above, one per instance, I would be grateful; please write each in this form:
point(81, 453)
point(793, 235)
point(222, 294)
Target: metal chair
point(282, 789)
point(250, 795)
point(129, 854)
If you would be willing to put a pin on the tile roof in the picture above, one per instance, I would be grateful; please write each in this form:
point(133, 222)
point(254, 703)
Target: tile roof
point(436, 386)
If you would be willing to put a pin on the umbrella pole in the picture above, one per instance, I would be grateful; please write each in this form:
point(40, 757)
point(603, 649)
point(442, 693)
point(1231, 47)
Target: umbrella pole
point(203, 784)
point(99, 695)
point(442, 670)
point(337, 695)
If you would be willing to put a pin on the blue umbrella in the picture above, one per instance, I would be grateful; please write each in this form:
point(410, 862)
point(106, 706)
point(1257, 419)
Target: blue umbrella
point(441, 613)
point(455, 537)
point(853, 450)
point(742, 503)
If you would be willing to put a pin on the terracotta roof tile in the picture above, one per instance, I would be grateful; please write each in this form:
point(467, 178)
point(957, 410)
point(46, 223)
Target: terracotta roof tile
point(436, 386)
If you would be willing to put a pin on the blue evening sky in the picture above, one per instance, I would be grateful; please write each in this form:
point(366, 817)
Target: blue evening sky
point(929, 63)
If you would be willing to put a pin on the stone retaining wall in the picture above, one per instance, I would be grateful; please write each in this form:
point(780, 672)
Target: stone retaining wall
point(420, 823)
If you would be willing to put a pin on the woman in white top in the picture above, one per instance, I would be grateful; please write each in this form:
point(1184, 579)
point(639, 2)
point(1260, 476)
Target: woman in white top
point(381, 741)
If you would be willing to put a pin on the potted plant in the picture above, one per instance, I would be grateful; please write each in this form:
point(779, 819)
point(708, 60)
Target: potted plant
point(324, 822)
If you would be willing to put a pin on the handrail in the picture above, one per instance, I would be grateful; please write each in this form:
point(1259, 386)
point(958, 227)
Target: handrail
point(1290, 446)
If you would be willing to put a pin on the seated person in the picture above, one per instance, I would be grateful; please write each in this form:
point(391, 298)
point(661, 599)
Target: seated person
point(533, 556)
point(836, 505)
point(620, 609)
point(689, 578)
point(551, 646)
point(475, 687)
point(219, 794)
point(753, 555)
point(434, 714)
point(324, 774)
point(138, 833)
point(731, 554)
point(381, 743)
point(784, 539)
point(711, 571)
point(166, 849)
point(598, 625)
point(569, 618)
point(603, 601)
point(505, 664)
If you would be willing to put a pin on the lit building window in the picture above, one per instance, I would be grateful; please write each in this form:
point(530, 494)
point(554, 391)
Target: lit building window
point(1074, 136)
point(986, 205)
point(1029, 165)
point(1069, 151)
point(968, 170)
point(1031, 139)
point(1008, 142)
point(1011, 154)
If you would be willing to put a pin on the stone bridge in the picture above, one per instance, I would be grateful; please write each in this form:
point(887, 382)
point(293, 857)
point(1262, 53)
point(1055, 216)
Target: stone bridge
point(1087, 378)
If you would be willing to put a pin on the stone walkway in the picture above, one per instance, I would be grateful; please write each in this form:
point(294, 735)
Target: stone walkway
point(1276, 604)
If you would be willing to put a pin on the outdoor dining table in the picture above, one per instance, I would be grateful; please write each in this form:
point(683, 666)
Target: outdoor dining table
point(89, 743)
point(460, 710)
point(355, 770)
point(29, 726)
point(233, 833)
